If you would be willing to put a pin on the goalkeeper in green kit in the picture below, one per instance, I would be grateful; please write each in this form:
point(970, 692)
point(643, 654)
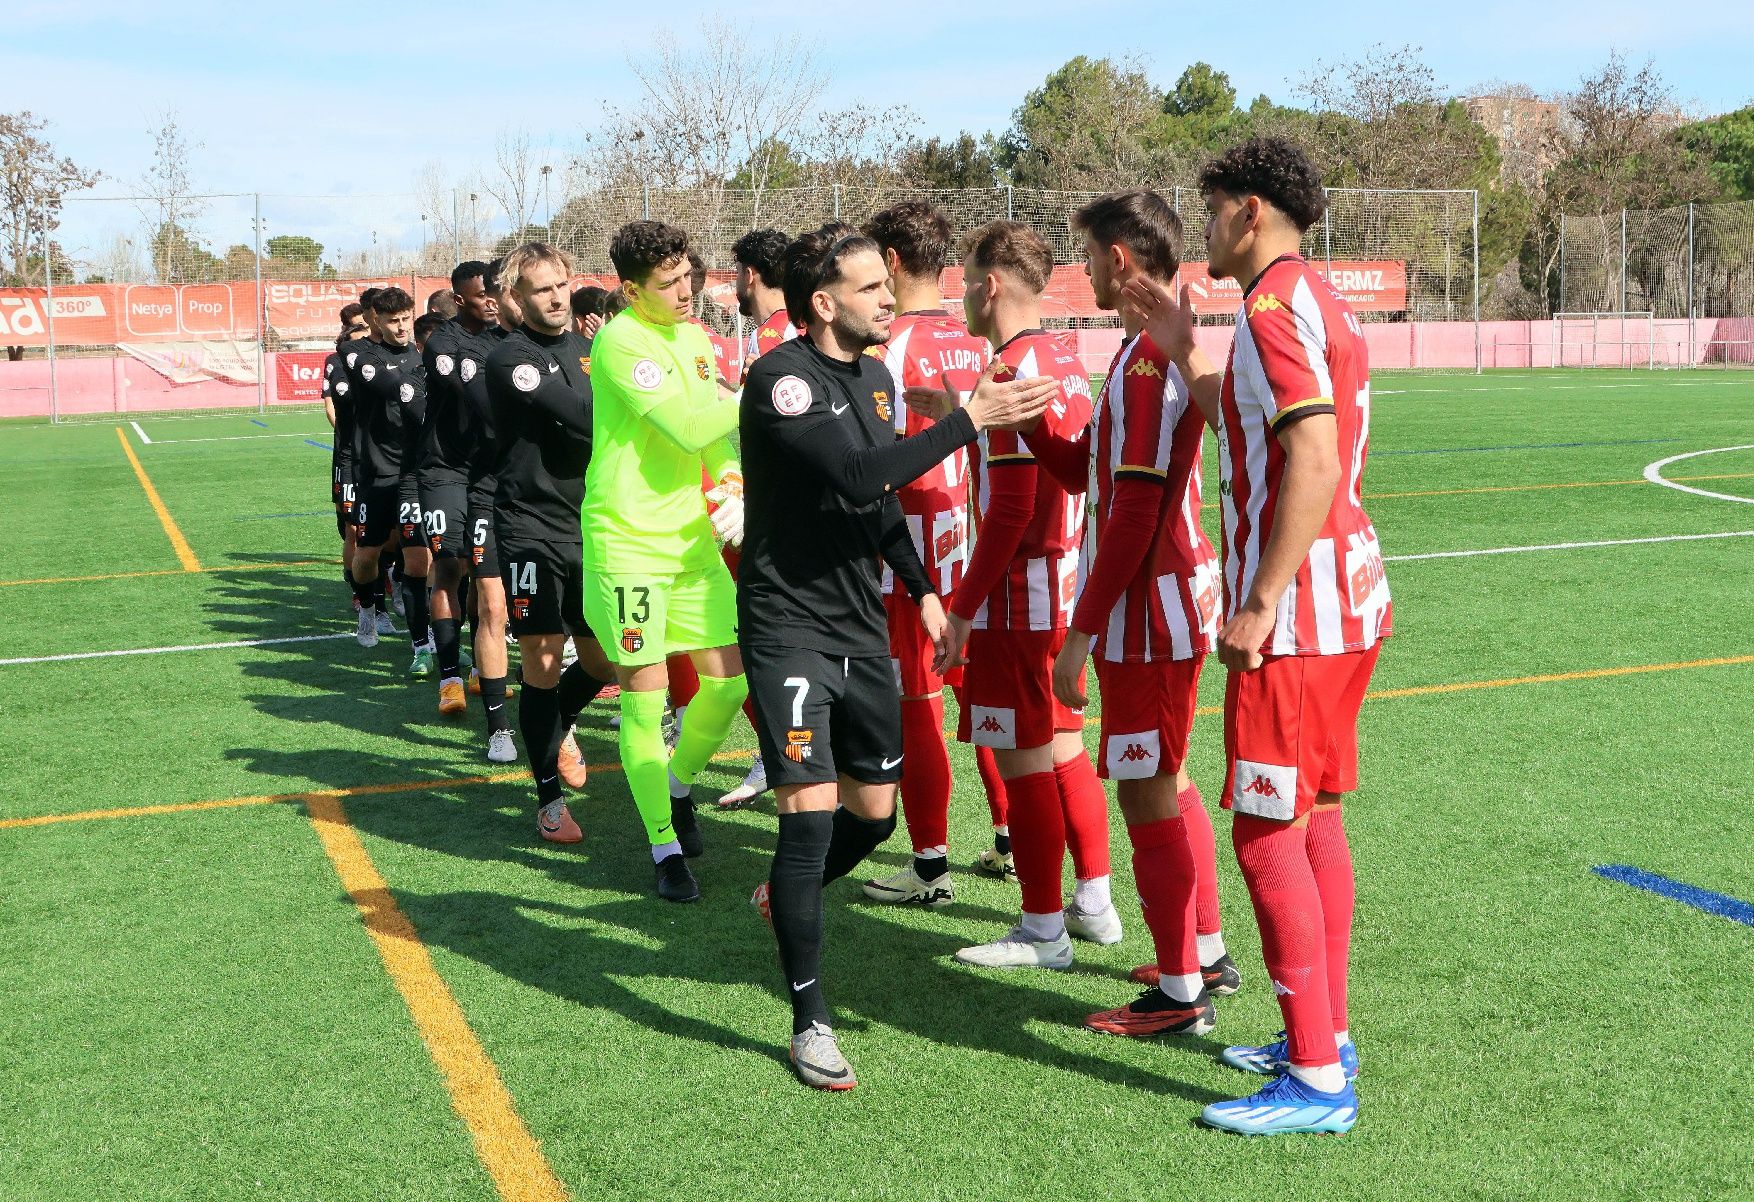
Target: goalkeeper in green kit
point(655, 582)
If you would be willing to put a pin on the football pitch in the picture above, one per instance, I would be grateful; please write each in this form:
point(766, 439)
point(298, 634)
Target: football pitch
point(271, 928)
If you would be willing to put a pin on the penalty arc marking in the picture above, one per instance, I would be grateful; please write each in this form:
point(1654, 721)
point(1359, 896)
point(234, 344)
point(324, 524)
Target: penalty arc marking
point(1654, 473)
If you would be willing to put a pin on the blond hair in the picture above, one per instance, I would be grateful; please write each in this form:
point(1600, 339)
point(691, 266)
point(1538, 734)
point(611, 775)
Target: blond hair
point(519, 261)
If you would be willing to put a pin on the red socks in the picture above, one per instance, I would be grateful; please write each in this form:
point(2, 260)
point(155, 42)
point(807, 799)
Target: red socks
point(1288, 908)
point(1163, 868)
point(1085, 806)
point(925, 773)
point(995, 785)
point(1205, 847)
point(1038, 840)
point(684, 680)
point(1330, 860)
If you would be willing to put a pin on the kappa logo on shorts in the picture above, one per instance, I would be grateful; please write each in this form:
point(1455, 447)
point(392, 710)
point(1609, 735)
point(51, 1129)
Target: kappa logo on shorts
point(633, 640)
point(992, 726)
point(1133, 756)
point(1264, 790)
point(798, 745)
point(1134, 753)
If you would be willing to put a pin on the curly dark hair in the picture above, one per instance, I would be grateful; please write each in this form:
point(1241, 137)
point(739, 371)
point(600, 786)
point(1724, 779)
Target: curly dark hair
point(763, 252)
point(467, 270)
point(641, 247)
point(917, 231)
point(813, 262)
point(587, 301)
point(1277, 171)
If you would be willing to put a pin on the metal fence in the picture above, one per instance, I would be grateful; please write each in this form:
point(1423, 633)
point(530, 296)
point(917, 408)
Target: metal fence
point(1689, 261)
point(254, 255)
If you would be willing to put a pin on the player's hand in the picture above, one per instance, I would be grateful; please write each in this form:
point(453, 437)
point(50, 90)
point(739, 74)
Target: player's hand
point(937, 626)
point(591, 323)
point(1011, 404)
point(933, 403)
point(1166, 314)
point(1069, 670)
point(1240, 639)
point(951, 654)
point(726, 501)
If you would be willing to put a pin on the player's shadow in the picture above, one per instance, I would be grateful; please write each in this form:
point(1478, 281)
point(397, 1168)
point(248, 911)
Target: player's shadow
point(595, 951)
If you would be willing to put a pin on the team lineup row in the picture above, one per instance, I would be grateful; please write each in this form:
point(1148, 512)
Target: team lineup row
point(910, 503)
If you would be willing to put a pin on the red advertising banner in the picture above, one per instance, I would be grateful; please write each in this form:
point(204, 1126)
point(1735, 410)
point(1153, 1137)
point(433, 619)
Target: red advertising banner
point(298, 377)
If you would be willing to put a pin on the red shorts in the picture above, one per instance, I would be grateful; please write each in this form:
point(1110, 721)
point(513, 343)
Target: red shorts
point(1291, 731)
point(1147, 716)
point(1008, 697)
point(911, 651)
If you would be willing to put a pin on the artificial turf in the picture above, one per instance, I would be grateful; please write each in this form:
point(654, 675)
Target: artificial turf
point(193, 1008)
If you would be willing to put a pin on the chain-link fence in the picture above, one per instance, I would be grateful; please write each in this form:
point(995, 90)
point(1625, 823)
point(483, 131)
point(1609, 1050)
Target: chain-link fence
point(138, 304)
point(1690, 268)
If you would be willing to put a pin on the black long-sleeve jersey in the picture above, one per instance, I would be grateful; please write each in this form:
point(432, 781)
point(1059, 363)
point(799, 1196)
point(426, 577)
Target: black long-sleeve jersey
point(453, 426)
point(484, 452)
point(338, 392)
point(539, 387)
point(388, 388)
point(821, 465)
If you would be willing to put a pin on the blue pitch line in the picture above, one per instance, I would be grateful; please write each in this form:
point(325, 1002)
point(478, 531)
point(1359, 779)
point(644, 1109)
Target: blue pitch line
point(1532, 446)
point(321, 446)
point(1720, 904)
point(254, 422)
point(265, 517)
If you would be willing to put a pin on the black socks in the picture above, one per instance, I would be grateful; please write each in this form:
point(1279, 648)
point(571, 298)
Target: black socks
point(539, 719)
point(795, 901)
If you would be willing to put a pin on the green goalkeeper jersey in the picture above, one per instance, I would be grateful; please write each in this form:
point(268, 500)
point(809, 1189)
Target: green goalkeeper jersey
point(657, 422)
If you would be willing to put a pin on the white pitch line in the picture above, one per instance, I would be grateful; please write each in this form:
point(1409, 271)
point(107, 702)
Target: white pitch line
point(241, 437)
point(54, 659)
point(1654, 473)
point(1609, 542)
point(144, 441)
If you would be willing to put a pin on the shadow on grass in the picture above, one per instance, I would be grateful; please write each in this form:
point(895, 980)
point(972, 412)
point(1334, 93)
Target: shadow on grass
point(617, 930)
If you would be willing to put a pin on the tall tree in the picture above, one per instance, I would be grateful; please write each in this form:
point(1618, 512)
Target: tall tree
point(1726, 145)
point(34, 181)
point(960, 162)
point(169, 205)
point(1093, 124)
point(293, 256)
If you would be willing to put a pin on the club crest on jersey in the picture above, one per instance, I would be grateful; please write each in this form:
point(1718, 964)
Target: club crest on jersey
point(791, 396)
point(467, 371)
point(445, 364)
point(340, 387)
point(884, 410)
point(368, 372)
point(798, 745)
point(633, 640)
point(1144, 367)
point(647, 375)
point(1266, 302)
point(525, 377)
point(406, 392)
point(701, 369)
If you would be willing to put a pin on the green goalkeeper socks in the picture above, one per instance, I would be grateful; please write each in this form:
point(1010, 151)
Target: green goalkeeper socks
point(643, 761)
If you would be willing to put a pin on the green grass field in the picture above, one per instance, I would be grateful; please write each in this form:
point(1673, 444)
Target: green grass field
point(194, 1008)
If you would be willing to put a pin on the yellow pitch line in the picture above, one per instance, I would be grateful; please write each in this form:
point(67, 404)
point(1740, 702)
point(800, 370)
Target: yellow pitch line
point(244, 567)
point(1204, 711)
point(505, 1147)
point(185, 553)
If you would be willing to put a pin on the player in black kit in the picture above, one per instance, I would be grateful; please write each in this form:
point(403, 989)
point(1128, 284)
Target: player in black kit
point(387, 385)
point(338, 408)
point(489, 623)
point(821, 465)
point(540, 391)
point(452, 430)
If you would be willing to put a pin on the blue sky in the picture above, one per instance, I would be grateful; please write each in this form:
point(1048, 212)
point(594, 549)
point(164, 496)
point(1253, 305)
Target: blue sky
point(324, 98)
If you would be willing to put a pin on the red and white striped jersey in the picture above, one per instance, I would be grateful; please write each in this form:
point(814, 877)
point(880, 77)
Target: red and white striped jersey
point(1036, 587)
point(778, 328)
point(1299, 350)
point(930, 349)
point(1146, 427)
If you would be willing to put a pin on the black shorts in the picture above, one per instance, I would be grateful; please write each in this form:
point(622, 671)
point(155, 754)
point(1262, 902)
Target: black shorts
point(408, 511)
point(819, 716)
point(374, 512)
point(544, 587)
point(444, 513)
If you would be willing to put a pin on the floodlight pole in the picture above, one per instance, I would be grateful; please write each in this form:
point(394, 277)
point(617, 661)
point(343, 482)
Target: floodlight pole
point(49, 316)
point(1477, 356)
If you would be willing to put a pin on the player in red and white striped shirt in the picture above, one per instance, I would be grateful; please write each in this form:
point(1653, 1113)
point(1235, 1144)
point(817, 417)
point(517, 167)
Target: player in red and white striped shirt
point(761, 297)
point(1149, 599)
point(1306, 605)
point(1012, 609)
point(928, 348)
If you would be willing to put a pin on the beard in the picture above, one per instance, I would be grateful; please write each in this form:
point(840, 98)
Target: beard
point(746, 305)
point(858, 331)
